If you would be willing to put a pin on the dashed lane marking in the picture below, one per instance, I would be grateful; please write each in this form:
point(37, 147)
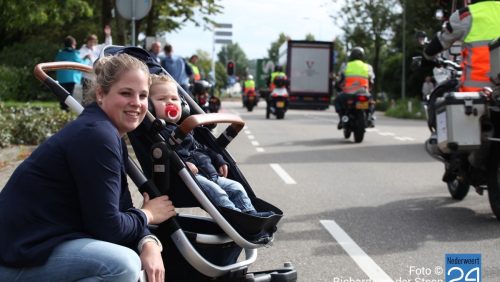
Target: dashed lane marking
point(355, 252)
point(283, 174)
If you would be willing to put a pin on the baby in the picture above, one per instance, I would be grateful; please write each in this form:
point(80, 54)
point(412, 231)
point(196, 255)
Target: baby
point(209, 167)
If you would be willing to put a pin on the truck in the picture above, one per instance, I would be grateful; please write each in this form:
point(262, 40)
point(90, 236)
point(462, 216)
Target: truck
point(309, 67)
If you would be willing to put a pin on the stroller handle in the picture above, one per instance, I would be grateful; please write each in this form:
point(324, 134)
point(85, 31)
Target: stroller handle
point(40, 69)
point(193, 121)
point(202, 119)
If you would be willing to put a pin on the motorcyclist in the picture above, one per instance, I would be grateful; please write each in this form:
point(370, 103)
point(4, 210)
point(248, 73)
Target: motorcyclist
point(475, 25)
point(248, 86)
point(278, 78)
point(357, 76)
point(278, 72)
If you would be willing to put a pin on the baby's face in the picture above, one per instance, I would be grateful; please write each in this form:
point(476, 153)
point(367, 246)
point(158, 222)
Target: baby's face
point(162, 95)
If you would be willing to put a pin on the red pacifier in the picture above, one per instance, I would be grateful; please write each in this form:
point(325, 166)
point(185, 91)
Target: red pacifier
point(171, 111)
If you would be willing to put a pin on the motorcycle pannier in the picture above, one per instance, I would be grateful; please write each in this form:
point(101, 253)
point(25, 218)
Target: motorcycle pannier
point(458, 121)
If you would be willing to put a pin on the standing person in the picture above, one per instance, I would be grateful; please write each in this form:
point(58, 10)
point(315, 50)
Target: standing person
point(155, 51)
point(209, 167)
point(427, 87)
point(66, 213)
point(475, 25)
point(91, 51)
point(356, 77)
point(196, 75)
point(176, 67)
point(68, 78)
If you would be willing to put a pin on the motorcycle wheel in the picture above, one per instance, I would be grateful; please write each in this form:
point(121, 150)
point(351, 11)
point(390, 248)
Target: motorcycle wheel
point(268, 113)
point(347, 133)
point(280, 114)
point(249, 108)
point(494, 186)
point(359, 128)
point(458, 188)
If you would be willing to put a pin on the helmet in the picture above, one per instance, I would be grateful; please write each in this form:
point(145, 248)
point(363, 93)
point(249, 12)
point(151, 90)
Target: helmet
point(278, 68)
point(357, 53)
point(201, 86)
point(250, 77)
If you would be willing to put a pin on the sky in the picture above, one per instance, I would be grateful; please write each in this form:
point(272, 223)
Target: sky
point(258, 23)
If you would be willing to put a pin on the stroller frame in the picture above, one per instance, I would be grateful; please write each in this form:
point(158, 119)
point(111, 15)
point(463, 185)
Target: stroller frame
point(237, 270)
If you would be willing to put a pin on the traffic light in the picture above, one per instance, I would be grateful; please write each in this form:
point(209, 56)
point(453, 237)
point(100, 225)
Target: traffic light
point(230, 68)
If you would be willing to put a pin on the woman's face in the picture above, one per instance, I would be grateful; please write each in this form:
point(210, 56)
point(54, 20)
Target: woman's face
point(163, 94)
point(127, 101)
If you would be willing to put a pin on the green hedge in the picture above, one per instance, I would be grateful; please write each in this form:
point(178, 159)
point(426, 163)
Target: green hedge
point(399, 109)
point(27, 124)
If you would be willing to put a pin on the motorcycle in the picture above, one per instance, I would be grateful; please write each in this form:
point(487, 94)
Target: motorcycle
point(277, 102)
point(250, 100)
point(357, 116)
point(465, 131)
point(201, 90)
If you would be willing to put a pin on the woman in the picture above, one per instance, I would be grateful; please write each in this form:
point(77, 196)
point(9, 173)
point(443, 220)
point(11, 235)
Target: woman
point(66, 213)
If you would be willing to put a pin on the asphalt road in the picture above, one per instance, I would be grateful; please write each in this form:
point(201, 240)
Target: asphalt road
point(354, 212)
point(376, 210)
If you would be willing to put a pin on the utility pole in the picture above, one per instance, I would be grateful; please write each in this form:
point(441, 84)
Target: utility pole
point(403, 78)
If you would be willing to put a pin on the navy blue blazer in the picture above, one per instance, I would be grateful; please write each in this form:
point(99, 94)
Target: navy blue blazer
point(72, 186)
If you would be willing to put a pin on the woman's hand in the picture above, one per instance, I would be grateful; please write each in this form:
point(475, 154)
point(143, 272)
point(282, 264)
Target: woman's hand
point(152, 263)
point(223, 170)
point(192, 167)
point(158, 209)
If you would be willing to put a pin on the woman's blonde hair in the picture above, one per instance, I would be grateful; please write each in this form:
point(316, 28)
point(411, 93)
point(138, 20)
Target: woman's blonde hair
point(108, 70)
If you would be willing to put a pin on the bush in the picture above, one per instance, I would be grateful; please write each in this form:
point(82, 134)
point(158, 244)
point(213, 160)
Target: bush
point(17, 81)
point(27, 124)
point(400, 109)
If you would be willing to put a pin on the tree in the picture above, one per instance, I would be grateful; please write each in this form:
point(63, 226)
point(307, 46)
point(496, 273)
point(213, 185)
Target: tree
point(233, 52)
point(368, 23)
point(310, 37)
point(273, 52)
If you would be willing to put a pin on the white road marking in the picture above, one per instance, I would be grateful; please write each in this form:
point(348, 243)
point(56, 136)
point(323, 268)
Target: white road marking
point(386, 133)
point(404, 138)
point(283, 174)
point(255, 143)
point(357, 254)
point(247, 132)
point(251, 137)
point(259, 149)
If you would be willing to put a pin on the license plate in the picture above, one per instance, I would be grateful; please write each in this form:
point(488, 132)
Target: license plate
point(362, 105)
point(250, 98)
point(280, 104)
point(308, 98)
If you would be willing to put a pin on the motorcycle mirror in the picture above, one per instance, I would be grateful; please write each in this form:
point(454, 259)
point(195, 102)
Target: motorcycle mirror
point(439, 15)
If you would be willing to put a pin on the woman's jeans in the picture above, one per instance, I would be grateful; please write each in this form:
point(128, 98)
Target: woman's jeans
point(81, 260)
point(226, 193)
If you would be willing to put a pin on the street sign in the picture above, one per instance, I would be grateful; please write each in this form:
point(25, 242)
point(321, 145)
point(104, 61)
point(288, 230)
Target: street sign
point(223, 25)
point(223, 33)
point(224, 41)
point(133, 9)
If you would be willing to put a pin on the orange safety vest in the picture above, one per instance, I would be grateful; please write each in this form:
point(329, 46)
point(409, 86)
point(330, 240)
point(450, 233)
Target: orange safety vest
point(249, 85)
point(273, 76)
point(485, 27)
point(196, 72)
point(356, 77)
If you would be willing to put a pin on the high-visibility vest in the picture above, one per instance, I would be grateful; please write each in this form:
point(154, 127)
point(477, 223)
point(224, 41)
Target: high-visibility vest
point(273, 76)
point(249, 85)
point(356, 77)
point(485, 27)
point(196, 72)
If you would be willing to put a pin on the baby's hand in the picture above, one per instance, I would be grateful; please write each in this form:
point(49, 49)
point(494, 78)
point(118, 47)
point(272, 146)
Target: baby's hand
point(223, 170)
point(192, 167)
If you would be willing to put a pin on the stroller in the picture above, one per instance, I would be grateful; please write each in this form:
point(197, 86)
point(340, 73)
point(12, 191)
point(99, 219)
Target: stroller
point(197, 248)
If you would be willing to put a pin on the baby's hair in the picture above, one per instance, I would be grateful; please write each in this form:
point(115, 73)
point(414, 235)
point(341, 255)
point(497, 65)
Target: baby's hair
point(162, 78)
